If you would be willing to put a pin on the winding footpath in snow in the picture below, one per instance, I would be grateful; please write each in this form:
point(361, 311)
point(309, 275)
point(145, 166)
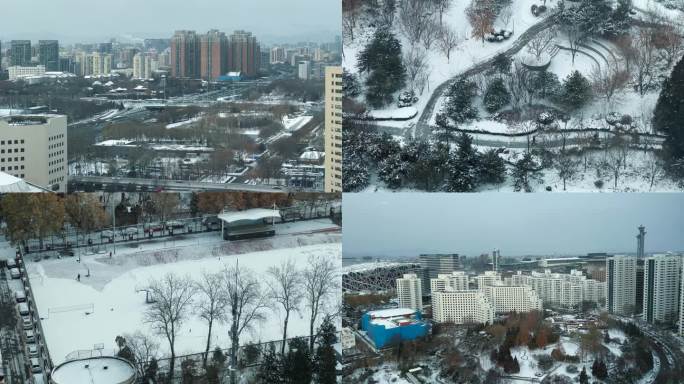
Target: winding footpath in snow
point(423, 128)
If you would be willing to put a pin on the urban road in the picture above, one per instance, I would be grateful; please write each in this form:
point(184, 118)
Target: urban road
point(177, 185)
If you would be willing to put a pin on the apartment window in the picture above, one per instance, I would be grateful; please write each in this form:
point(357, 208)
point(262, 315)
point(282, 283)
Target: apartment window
point(22, 141)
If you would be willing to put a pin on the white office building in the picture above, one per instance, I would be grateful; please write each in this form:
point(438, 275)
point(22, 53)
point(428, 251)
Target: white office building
point(409, 292)
point(457, 281)
point(507, 298)
point(563, 289)
point(17, 72)
point(34, 148)
point(461, 307)
point(304, 70)
point(662, 274)
point(621, 284)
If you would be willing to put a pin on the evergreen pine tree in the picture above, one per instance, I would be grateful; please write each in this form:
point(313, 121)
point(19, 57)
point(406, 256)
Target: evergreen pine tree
point(502, 64)
point(576, 91)
point(297, 365)
point(271, 369)
point(492, 168)
point(381, 59)
point(496, 96)
point(584, 378)
point(459, 102)
point(325, 353)
point(668, 117)
point(525, 171)
point(463, 166)
point(151, 371)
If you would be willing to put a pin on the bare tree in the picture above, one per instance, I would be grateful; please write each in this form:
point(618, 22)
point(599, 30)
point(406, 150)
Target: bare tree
point(350, 13)
point(575, 36)
point(644, 60)
point(172, 302)
point(415, 62)
point(247, 303)
point(653, 169)
point(668, 40)
point(212, 305)
point(608, 80)
point(319, 284)
point(164, 204)
point(286, 290)
point(144, 348)
point(518, 84)
point(448, 40)
point(415, 16)
point(430, 34)
point(442, 6)
point(389, 11)
point(506, 14)
point(541, 42)
point(566, 166)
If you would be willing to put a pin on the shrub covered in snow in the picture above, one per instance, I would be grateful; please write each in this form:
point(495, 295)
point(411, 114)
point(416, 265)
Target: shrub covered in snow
point(407, 99)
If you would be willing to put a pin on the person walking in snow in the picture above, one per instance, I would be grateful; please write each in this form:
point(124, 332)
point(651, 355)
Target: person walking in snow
point(78, 277)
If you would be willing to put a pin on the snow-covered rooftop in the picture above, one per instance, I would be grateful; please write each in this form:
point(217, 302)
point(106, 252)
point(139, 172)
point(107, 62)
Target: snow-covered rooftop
point(250, 214)
point(11, 184)
point(393, 312)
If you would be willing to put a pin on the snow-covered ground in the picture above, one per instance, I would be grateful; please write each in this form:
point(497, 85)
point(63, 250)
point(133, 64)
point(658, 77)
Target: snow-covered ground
point(111, 292)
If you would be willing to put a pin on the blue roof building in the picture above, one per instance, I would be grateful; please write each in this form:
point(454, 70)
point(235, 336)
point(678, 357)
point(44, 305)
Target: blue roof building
point(388, 327)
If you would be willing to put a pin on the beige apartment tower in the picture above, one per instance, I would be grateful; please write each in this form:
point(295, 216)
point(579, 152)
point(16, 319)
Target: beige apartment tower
point(410, 292)
point(34, 148)
point(333, 129)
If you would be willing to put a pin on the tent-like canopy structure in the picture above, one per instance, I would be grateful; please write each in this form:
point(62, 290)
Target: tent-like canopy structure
point(249, 214)
point(11, 184)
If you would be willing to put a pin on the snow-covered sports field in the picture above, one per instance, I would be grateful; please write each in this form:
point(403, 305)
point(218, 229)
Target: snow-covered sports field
point(77, 315)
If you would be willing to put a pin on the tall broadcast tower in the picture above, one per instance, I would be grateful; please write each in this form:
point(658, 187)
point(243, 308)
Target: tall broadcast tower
point(640, 242)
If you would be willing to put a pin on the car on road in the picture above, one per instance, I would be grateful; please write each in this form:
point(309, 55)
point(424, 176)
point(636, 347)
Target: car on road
point(30, 335)
point(32, 350)
point(11, 263)
point(20, 296)
point(35, 366)
point(15, 273)
point(27, 322)
point(23, 309)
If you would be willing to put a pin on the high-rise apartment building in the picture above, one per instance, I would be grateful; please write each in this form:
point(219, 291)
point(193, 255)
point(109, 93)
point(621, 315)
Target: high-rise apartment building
point(621, 284)
point(304, 70)
point(487, 278)
point(506, 298)
point(102, 64)
point(20, 53)
point(410, 292)
point(48, 54)
point(244, 54)
point(34, 148)
point(214, 55)
point(462, 307)
point(662, 274)
point(185, 55)
point(333, 129)
point(562, 289)
point(278, 55)
point(457, 281)
point(142, 66)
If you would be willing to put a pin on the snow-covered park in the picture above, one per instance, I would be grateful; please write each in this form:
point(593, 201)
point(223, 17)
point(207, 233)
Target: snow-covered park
point(619, 70)
point(79, 315)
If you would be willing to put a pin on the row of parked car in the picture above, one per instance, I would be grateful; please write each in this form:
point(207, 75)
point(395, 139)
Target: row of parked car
point(31, 335)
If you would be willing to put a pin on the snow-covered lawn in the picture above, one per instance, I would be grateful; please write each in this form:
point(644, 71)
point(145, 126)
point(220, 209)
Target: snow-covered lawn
point(111, 290)
point(393, 113)
point(184, 122)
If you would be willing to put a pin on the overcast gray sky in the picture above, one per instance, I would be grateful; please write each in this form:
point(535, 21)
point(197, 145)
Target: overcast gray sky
point(94, 20)
point(406, 224)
